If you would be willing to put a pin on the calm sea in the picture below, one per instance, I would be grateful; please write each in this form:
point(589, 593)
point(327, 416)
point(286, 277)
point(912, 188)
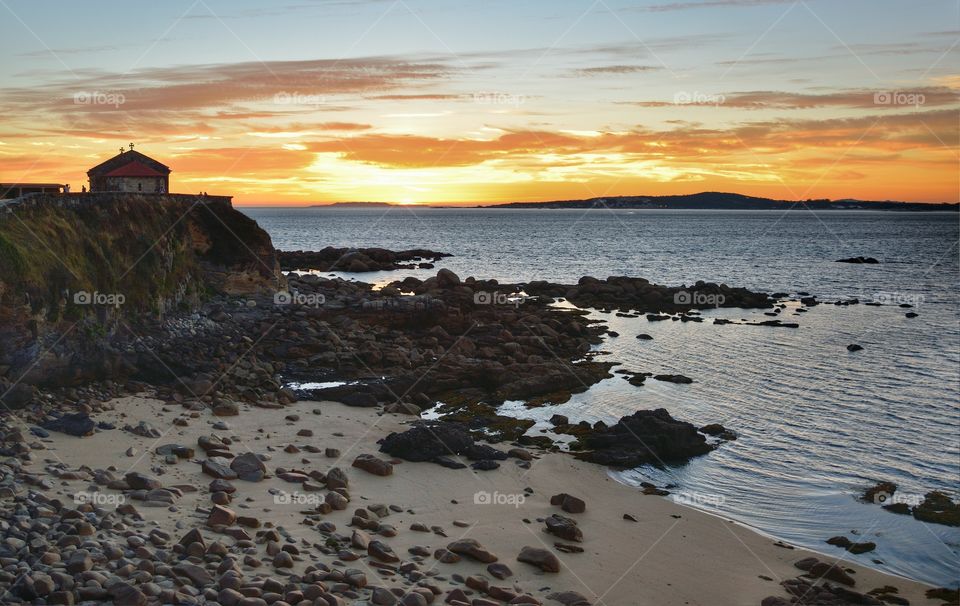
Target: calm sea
point(817, 424)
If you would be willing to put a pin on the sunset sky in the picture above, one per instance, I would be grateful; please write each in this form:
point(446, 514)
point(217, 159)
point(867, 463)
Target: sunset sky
point(456, 101)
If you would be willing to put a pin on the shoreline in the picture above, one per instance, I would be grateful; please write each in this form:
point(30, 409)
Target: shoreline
point(696, 556)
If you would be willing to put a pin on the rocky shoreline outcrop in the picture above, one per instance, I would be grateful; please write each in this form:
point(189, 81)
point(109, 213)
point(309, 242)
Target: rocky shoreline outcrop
point(243, 330)
point(637, 294)
point(80, 278)
point(358, 260)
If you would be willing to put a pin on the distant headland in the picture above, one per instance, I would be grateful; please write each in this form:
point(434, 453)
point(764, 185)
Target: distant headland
point(729, 201)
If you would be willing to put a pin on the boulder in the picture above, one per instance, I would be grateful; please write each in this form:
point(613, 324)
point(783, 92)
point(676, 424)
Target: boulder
point(74, 424)
point(374, 465)
point(471, 548)
point(541, 558)
point(427, 440)
point(221, 516)
point(140, 481)
point(218, 467)
point(381, 551)
point(565, 528)
point(646, 436)
point(568, 503)
point(248, 467)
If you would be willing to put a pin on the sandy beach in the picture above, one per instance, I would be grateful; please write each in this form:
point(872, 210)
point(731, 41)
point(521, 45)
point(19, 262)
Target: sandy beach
point(671, 555)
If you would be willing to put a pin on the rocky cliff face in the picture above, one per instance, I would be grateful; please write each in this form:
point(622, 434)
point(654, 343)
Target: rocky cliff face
point(81, 276)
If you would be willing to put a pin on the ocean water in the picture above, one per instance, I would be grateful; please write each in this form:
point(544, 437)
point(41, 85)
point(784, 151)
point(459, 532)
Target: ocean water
point(816, 423)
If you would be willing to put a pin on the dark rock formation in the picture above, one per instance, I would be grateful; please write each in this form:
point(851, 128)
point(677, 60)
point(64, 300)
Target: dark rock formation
point(357, 259)
point(938, 508)
point(637, 294)
point(75, 424)
point(879, 493)
point(646, 436)
point(855, 548)
point(437, 441)
point(426, 441)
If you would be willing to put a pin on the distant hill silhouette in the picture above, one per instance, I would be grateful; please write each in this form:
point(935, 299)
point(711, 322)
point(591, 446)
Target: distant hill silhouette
point(710, 200)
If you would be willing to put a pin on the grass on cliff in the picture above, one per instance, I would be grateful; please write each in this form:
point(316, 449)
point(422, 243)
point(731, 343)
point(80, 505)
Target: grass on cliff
point(136, 250)
point(158, 253)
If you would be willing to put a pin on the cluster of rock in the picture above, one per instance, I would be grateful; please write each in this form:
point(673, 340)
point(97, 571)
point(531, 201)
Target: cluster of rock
point(64, 552)
point(826, 584)
point(637, 294)
point(357, 260)
point(64, 555)
point(936, 507)
point(441, 442)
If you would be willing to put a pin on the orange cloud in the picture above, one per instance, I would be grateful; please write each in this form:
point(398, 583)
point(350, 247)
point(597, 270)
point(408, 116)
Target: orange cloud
point(896, 132)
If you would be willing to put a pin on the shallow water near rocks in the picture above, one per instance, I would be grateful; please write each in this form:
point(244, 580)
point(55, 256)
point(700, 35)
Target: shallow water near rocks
point(816, 423)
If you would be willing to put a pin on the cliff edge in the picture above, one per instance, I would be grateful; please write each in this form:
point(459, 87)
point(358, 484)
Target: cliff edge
point(82, 274)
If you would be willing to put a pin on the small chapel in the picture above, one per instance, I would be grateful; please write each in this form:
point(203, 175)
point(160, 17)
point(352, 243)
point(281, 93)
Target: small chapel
point(130, 171)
